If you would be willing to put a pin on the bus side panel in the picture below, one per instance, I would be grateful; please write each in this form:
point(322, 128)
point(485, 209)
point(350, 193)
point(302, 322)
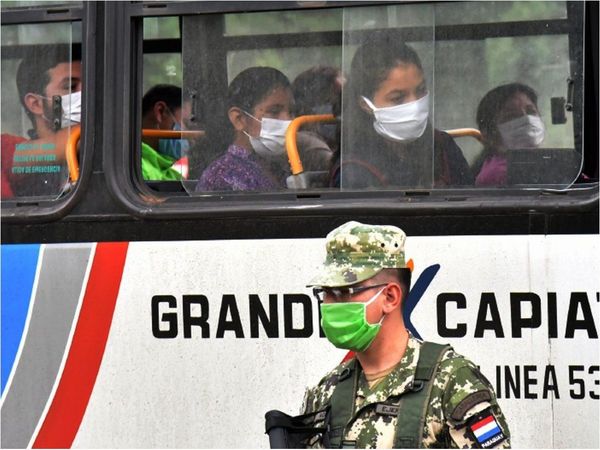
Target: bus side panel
point(207, 336)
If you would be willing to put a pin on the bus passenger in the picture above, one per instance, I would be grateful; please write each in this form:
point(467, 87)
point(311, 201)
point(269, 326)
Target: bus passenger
point(259, 110)
point(388, 137)
point(318, 90)
point(508, 118)
point(162, 109)
point(39, 167)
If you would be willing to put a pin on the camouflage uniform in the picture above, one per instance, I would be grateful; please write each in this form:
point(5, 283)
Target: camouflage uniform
point(461, 396)
point(448, 413)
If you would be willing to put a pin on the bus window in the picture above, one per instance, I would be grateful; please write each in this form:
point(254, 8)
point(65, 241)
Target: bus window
point(41, 107)
point(407, 77)
point(516, 84)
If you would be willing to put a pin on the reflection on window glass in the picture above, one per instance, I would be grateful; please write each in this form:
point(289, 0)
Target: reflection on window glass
point(283, 22)
point(161, 28)
point(161, 68)
point(484, 12)
point(11, 4)
point(41, 107)
point(393, 16)
point(48, 33)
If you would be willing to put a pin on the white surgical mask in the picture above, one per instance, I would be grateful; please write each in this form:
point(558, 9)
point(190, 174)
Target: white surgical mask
point(71, 106)
point(402, 123)
point(271, 141)
point(522, 132)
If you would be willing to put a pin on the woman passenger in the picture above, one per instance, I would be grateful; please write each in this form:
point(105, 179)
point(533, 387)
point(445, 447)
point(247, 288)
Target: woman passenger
point(259, 109)
point(388, 139)
point(508, 118)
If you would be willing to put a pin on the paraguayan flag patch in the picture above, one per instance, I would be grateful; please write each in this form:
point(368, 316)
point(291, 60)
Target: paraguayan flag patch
point(487, 432)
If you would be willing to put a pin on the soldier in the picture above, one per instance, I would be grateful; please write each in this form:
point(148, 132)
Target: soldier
point(395, 391)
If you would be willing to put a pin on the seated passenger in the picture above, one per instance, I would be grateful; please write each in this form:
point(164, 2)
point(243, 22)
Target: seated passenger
point(259, 105)
point(36, 166)
point(162, 109)
point(508, 118)
point(318, 91)
point(388, 138)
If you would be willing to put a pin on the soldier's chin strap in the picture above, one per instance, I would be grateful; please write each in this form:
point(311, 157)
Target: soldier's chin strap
point(287, 431)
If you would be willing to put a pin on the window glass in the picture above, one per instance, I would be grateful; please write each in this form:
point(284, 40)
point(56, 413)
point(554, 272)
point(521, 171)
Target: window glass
point(387, 133)
point(161, 27)
point(11, 4)
point(162, 68)
point(408, 96)
point(41, 107)
point(540, 62)
point(48, 33)
point(513, 89)
point(497, 11)
point(269, 81)
point(283, 22)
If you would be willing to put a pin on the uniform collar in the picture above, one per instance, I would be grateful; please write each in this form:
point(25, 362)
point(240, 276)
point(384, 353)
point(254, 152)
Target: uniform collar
point(397, 382)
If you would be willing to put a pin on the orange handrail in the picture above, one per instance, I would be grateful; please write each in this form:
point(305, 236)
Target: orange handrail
point(291, 145)
point(71, 155)
point(462, 132)
point(75, 135)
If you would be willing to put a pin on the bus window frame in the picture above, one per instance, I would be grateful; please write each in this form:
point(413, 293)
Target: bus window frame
point(18, 210)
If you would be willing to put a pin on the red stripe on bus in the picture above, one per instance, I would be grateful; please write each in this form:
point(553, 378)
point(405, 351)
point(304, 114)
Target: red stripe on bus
point(64, 417)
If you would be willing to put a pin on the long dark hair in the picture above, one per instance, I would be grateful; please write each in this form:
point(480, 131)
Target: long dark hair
point(371, 65)
point(487, 112)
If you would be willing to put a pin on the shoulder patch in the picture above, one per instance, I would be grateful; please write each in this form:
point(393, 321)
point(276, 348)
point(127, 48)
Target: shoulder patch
point(485, 430)
point(468, 402)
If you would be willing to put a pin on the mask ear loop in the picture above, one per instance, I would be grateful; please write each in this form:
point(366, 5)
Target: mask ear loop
point(369, 103)
point(371, 301)
point(248, 114)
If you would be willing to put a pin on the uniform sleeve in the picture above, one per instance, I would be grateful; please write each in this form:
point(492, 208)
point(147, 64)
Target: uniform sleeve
point(473, 416)
point(308, 402)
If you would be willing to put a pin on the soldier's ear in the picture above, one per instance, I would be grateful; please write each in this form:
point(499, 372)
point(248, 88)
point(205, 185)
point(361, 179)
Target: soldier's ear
point(393, 297)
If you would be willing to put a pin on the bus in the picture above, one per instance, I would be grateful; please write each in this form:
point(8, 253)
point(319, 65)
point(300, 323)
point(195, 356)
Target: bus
point(164, 311)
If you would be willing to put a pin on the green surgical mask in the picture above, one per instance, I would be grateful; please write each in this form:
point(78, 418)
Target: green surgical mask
point(345, 324)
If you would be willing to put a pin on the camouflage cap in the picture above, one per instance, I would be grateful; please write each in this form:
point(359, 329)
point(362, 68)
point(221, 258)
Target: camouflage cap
point(357, 252)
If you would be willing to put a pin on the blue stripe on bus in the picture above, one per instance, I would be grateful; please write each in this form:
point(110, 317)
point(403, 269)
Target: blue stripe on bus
point(19, 264)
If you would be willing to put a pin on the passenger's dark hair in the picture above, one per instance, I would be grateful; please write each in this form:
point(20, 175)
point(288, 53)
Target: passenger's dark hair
point(32, 73)
point(375, 58)
point(167, 93)
point(253, 85)
point(488, 109)
point(316, 86)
